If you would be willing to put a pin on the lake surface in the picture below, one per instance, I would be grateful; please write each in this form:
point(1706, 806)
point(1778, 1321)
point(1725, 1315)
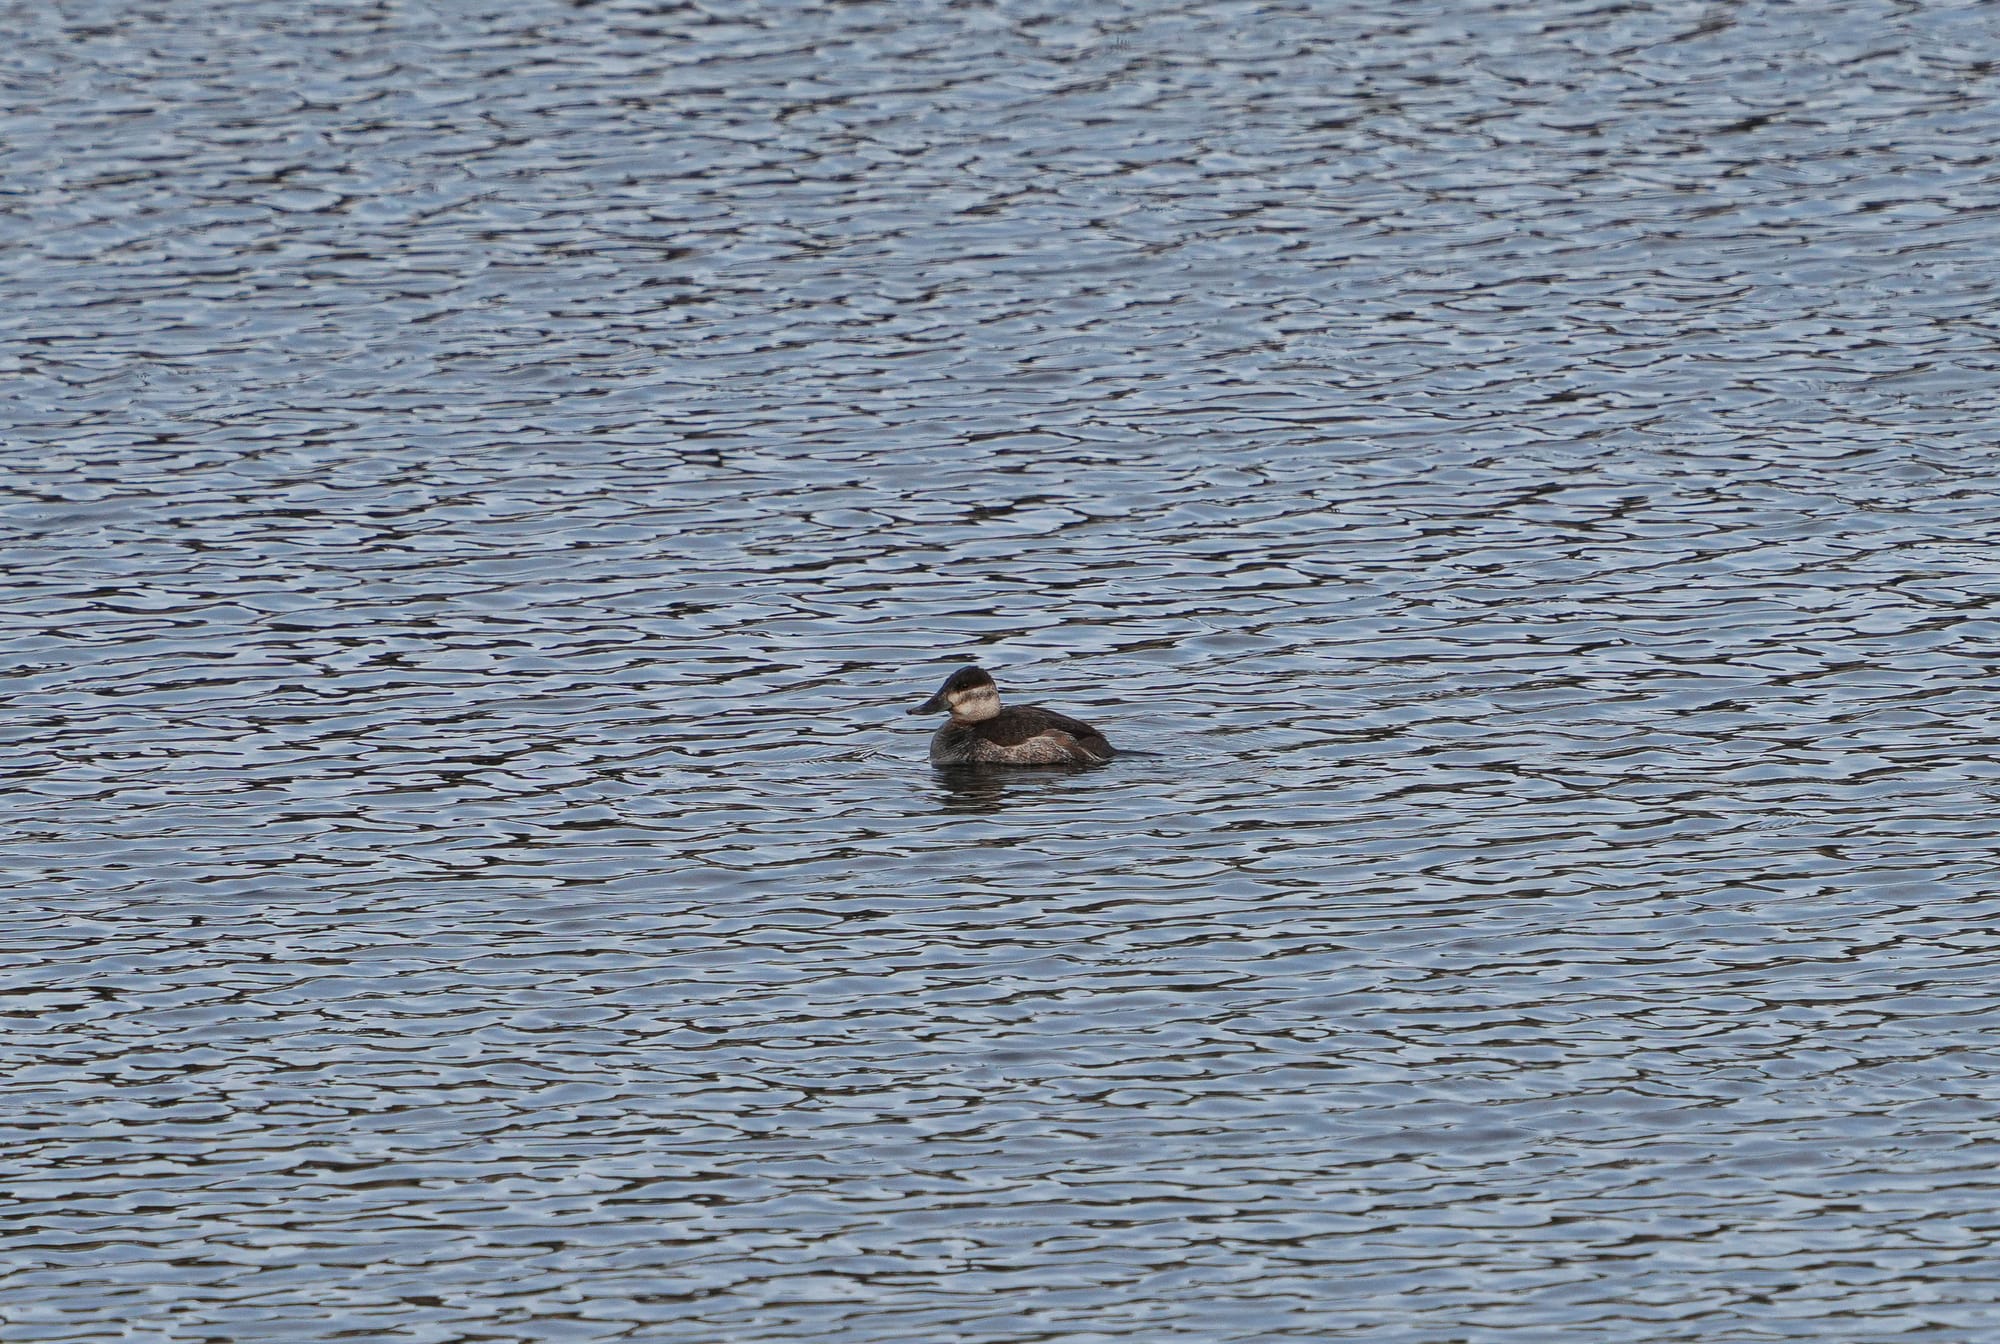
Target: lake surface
point(482, 486)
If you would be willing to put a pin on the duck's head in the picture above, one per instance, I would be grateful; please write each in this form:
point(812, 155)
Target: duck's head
point(968, 693)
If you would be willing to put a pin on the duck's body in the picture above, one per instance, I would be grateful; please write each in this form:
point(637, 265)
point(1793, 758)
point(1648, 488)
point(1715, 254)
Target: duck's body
point(982, 733)
point(1023, 735)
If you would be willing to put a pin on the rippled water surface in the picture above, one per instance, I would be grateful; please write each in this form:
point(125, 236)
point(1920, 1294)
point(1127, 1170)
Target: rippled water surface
point(483, 485)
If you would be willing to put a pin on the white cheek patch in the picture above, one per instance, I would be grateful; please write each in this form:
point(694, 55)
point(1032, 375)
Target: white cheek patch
point(981, 702)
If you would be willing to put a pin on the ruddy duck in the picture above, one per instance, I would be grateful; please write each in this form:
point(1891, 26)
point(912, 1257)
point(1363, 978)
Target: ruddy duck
point(982, 733)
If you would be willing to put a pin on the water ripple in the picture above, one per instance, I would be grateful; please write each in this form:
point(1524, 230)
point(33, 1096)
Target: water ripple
point(482, 486)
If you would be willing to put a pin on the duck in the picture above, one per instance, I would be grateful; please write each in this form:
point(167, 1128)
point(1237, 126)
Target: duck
point(983, 733)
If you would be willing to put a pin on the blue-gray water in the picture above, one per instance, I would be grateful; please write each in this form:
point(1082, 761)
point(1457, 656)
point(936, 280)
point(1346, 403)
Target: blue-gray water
point(482, 486)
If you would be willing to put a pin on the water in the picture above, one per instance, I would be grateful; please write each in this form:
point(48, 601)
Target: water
point(482, 487)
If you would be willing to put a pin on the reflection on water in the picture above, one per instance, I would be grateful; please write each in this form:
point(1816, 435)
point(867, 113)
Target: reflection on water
point(482, 488)
point(989, 789)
